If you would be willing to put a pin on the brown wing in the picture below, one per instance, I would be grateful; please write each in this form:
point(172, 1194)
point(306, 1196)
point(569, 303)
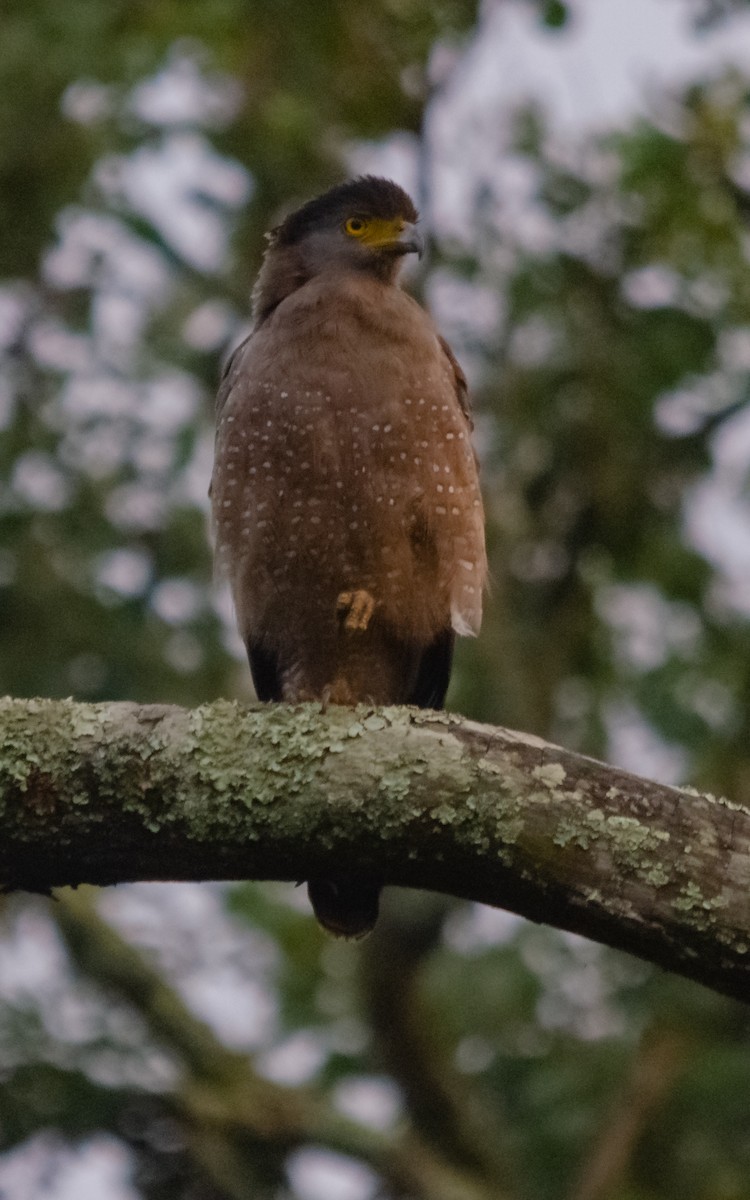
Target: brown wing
point(230, 374)
point(462, 387)
point(463, 545)
point(227, 382)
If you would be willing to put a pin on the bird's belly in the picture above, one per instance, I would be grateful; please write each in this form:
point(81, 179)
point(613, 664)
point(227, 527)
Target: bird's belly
point(344, 486)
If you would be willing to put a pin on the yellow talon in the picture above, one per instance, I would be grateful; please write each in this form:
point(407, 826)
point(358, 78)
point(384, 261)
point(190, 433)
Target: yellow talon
point(356, 609)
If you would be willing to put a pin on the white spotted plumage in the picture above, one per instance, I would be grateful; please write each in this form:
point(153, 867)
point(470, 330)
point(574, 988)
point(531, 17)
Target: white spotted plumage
point(326, 455)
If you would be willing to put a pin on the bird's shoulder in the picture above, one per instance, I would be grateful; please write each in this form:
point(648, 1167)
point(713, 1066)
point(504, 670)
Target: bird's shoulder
point(232, 368)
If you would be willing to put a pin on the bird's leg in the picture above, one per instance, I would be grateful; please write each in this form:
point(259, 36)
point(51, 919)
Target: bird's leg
point(355, 609)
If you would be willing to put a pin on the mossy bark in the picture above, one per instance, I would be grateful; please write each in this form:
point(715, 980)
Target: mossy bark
point(114, 792)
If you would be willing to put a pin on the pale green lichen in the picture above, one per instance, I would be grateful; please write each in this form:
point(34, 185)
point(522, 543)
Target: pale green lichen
point(569, 831)
point(281, 776)
point(487, 767)
point(445, 814)
point(429, 716)
point(691, 899)
point(550, 774)
point(509, 828)
point(656, 875)
point(722, 801)
point(732, 805)
point(629, 842)
point(373, 723)
point(693, 903)
point(395, 785)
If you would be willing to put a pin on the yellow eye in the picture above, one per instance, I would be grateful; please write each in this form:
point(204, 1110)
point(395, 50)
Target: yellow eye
point(356, 226)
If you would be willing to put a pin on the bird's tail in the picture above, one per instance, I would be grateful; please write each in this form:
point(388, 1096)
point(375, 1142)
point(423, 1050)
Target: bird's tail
point(346, 908)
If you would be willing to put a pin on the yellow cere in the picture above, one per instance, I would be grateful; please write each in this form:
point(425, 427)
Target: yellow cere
point(375, 231)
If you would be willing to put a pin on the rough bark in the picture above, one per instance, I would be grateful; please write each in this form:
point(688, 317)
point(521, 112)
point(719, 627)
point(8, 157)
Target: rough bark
point(108, 793)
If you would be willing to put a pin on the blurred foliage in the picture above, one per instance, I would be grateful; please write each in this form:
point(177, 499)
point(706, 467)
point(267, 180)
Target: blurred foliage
point(144, 149)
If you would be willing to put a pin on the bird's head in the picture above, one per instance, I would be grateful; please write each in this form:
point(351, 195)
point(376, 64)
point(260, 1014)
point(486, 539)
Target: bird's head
point(367, 224)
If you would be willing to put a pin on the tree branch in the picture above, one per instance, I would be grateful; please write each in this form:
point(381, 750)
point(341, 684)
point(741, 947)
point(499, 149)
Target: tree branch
point(108, 793)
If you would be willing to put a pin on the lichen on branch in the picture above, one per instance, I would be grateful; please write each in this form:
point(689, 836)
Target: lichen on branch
point(111, 793)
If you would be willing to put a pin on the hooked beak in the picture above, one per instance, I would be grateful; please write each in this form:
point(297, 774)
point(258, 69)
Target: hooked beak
point(410, 241)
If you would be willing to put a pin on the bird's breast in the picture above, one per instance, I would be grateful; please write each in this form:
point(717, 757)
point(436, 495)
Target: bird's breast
point(343, 461)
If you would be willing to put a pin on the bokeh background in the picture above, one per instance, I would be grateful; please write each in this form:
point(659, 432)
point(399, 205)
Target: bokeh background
point(583, 171)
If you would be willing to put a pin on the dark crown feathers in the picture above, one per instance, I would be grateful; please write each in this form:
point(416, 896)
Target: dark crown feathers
point(367, 196)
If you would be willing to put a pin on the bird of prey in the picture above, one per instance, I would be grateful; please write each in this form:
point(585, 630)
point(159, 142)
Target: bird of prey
point(345, 498)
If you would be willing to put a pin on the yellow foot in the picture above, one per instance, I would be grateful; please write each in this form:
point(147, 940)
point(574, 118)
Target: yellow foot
point(355, 609)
